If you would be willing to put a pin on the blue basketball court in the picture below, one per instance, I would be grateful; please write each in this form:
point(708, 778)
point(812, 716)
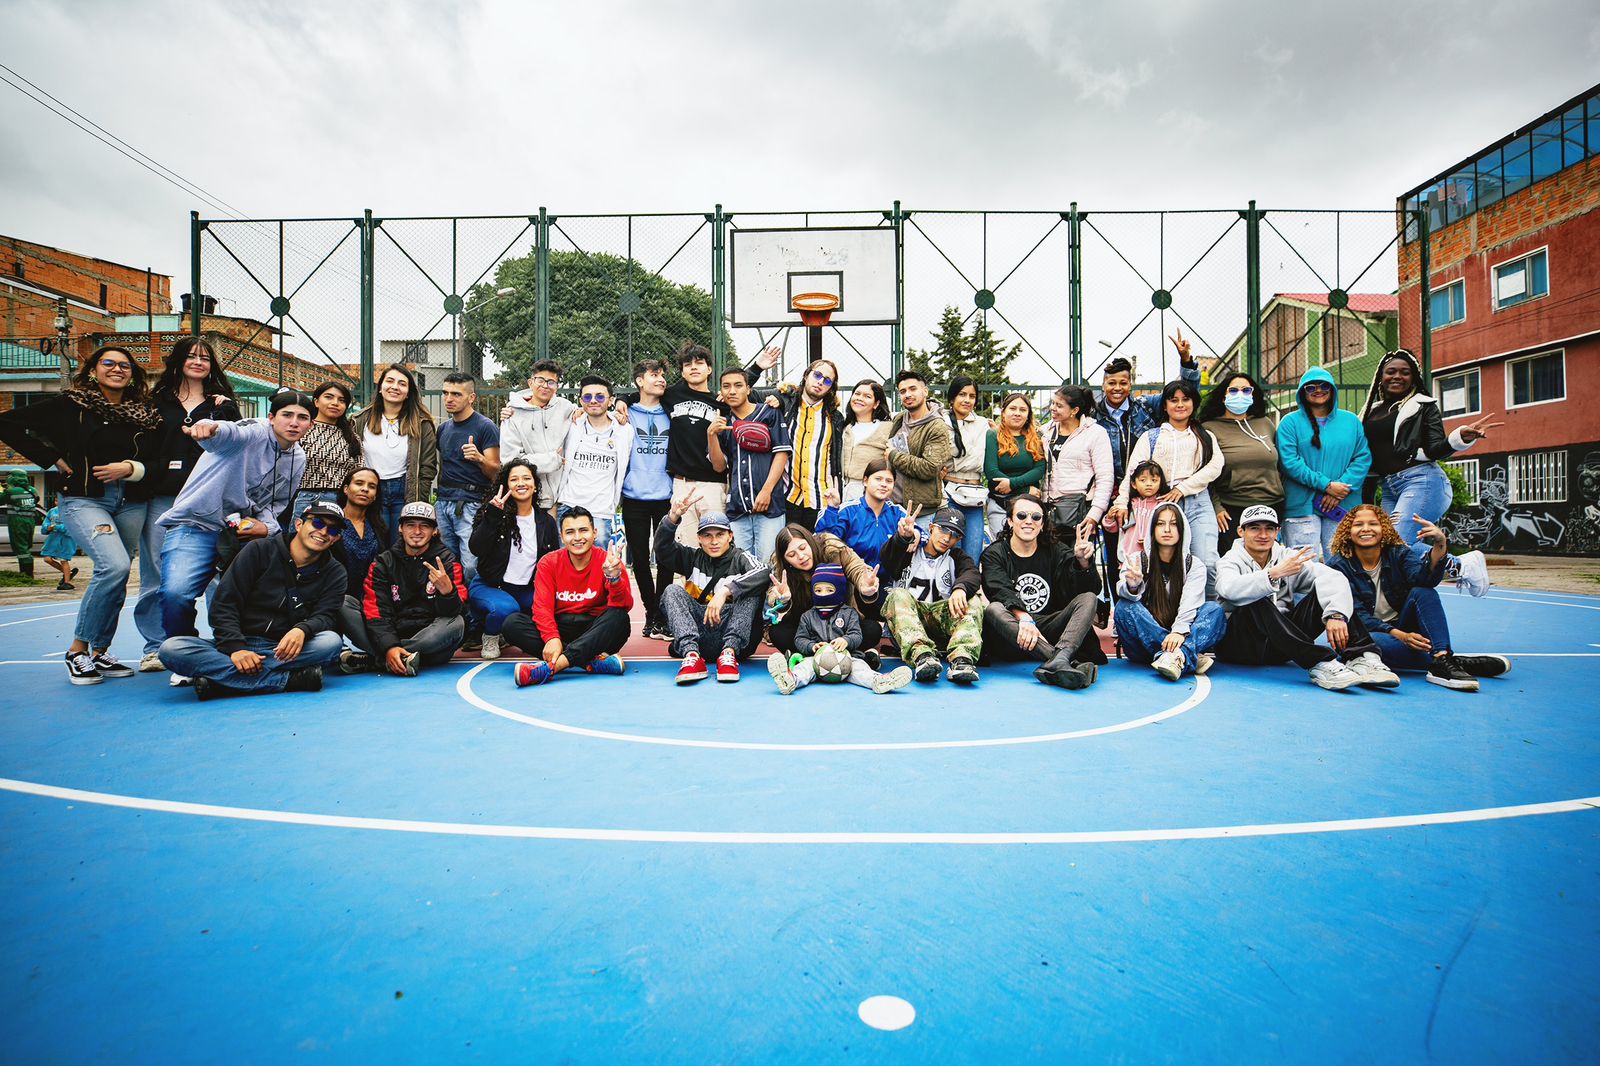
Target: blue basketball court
point(1238, 867)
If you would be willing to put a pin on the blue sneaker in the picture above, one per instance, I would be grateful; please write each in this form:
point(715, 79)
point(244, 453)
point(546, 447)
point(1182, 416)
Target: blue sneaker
point(607, 664)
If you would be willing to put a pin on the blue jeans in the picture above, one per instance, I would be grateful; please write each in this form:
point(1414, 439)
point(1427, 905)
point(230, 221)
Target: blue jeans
point(391, 500)
point(758, 533)
point(1310, 531)
point(1422, 489)
point(1141, 634)
point(147, 610)
point(1422, 612)
point(456, 529)
point(188, 563)
point(1202, 518)
point(306, 497)
point(107, 529)
point(193, 657)
point(493, 604)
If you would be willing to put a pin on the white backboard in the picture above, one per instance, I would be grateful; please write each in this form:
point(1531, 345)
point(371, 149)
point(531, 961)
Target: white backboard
point(858, 264)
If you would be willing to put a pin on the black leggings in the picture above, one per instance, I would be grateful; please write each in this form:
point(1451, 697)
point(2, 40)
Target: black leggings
point(639, 521)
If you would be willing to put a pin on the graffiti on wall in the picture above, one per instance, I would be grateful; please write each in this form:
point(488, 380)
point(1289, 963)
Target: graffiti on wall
point(1498, 524)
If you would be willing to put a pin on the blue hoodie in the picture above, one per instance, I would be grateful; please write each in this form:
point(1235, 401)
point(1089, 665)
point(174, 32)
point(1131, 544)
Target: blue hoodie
point(1308, 468)
point(243, 470)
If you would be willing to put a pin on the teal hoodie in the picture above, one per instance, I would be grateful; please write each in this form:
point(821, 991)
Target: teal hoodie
point(1313, 456)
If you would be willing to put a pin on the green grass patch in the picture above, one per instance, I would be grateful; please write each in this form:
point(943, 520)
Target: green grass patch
point(10, 579)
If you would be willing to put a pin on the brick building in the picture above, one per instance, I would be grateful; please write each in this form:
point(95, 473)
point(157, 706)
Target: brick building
point(1514, 317)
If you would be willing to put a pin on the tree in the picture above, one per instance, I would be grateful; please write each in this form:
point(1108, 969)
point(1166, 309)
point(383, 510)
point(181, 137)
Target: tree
point(606, 313)
point(977, 354)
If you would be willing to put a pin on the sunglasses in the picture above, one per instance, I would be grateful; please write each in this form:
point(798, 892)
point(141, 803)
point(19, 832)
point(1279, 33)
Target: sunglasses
point(1245, 391)
point(115, 364)
point(325, 525)
point(1319, 386)
point(819, 376)
point(1028, 516)
point(595, 397)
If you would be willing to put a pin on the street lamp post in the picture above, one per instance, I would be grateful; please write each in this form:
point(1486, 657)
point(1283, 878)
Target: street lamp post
point(63, 324)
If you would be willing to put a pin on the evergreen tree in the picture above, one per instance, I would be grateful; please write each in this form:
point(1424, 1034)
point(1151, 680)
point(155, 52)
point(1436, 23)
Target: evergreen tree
point(977, 354)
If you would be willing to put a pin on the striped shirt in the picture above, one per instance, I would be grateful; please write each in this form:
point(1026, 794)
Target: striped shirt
point(812, 437)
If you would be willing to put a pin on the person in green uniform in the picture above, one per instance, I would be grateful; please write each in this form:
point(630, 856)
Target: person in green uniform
point(21, 501)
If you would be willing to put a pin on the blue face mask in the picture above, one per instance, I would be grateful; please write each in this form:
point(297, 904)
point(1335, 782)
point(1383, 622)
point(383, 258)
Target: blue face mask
point(1237, 404)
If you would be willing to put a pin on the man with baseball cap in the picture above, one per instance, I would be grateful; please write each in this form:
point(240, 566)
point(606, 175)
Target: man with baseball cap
point(275, 621)
point(717, 605)
point(937, 602)
point(245, 480)
point(411, 610)
point(1280, 600)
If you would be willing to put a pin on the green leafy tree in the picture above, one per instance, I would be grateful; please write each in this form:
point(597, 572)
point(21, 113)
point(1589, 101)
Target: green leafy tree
point(606, 313)
point(976, 354)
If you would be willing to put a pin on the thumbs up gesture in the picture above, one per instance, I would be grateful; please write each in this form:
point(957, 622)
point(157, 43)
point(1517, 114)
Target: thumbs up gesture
point(470, 452)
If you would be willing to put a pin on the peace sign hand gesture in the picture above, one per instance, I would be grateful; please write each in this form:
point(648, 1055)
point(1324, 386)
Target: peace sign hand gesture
point(1479, 430)
point(500, 498)
point(679, 509)
point(1430, 533)
point(907, 529)
point(1182, 345)
point(612, 566)
point(780, 584)
point(439, 576)
point(1082, 547)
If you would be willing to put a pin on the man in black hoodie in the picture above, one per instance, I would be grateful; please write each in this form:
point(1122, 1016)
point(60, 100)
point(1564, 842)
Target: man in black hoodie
point(411, 611)
point(275, 621)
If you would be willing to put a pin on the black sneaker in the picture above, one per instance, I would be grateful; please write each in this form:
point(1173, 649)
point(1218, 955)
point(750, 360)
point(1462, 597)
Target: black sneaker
point(305, 679)
point(354, 662)
point(962, 672)
point(109, 667)
point(1060, 675)
point(927, 669)
point(1484, 665)
point(207, 689)
point(656, 629)
point(81, 669)
point(1446, 672)
point(1089, 671)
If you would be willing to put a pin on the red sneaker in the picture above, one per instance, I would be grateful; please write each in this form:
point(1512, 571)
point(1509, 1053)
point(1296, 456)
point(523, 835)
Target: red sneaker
point(692, 670)
point(728, 665)
point(534, 673)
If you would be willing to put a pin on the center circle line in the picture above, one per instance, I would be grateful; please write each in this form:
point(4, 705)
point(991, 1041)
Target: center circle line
point(1202, 689)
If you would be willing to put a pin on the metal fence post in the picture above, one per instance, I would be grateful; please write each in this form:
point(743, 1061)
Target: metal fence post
point(195, 226)
point(368, 258)
point(1425, 293)
point(541, 288)
point(1252, 285)
point(897, 332)
point(1075, 294)
point(719, 288)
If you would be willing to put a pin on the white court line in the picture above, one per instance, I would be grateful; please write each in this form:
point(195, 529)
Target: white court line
point(1552, 603)
point(40, 618)
point(680, 836)
point(464, 690)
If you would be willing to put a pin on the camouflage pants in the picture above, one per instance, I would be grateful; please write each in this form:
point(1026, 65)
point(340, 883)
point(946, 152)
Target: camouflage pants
point(920, 628)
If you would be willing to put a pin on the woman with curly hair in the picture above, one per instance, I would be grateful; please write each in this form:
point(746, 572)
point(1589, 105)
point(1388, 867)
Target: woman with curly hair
point(400, 442)
point(101, 436)
point(1395, 588)
point(332, 446)
point(510, 534)
point(1013, 457)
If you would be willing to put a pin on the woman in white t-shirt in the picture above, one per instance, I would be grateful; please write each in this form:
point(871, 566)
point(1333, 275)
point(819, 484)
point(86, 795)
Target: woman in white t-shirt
point(399, 441)
point(510, 534)
point(866, 435)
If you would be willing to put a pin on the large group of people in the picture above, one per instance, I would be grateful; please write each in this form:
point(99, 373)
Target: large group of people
point(1198, 529)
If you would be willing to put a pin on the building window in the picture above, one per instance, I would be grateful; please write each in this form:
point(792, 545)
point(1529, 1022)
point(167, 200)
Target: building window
point(1537, 379)
point(1539, 477)
point(1468, 469)
point(1458, 394)
point(1521, 280)
point(1448, 305)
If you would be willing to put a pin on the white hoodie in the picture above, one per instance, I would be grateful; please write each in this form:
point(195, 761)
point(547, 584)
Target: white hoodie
point(536, 434)
point(1194, 575)
point(1241, 581)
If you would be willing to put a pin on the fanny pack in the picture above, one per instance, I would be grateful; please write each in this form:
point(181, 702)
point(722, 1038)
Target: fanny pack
point(965, 495)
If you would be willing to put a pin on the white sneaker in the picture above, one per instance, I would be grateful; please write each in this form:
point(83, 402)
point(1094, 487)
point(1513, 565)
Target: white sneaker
point(1169, 664)
point(1474, 575)
point(1372, 671)
point(782, 676)
point(1203, 663)
point(491, 646)
point(178, 680)
point(1334, 675)
point(895, 679)
point(150, 663)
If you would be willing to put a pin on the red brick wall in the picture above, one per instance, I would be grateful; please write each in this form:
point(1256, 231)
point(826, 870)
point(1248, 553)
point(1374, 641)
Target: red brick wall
point(81, 277)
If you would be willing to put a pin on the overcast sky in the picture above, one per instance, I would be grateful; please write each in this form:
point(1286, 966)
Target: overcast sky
point(287, 108)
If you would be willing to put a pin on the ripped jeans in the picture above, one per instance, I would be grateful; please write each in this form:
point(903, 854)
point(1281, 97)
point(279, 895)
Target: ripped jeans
point(107, 529)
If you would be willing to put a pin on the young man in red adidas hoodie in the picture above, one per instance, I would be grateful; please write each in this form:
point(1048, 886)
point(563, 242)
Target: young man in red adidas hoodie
point(581, 601)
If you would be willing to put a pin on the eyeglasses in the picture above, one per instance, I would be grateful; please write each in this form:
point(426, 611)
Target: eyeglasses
point(323, 525)
point(595, 397)
point(1028, 516)
point(1245, 391)
point(546, 383)
point(115, 364)
point(819, 376)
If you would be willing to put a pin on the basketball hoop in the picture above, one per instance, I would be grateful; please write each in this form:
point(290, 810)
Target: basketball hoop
point(815, 307)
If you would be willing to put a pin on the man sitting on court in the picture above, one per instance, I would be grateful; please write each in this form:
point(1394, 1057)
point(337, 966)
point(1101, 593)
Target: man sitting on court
point(937, 600)
point(275, 620)
point(1279, 600)
point(1042, 597)
point(717, 605)
point(411, 612)
point(580, 611)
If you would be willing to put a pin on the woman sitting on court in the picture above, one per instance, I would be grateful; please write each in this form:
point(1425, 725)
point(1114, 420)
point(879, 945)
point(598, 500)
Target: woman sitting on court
point(363, 535)
point(509, 536)
point(796, 557)
point(1162, 615)
point(1395, 587)
point(865, 525)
